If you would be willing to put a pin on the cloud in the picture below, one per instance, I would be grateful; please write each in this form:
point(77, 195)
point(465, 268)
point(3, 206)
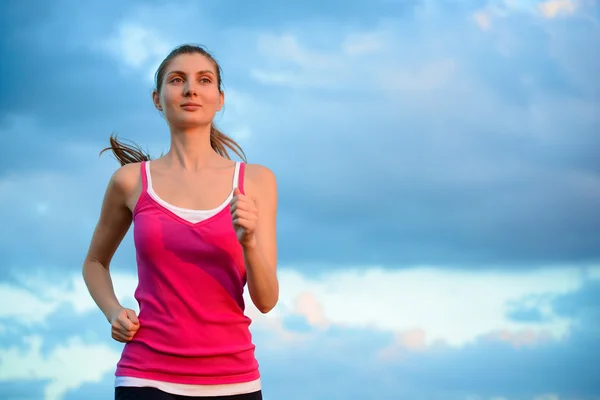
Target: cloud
point(554, 8)
point(456, 132)
point(483, 20)
point(430, 305)
point(35, 300)
point(477, 141)
point(438, 183)
point(419, 323)
point(66, 367)
point(138, 47)
point(293, 65)
point(451, 307)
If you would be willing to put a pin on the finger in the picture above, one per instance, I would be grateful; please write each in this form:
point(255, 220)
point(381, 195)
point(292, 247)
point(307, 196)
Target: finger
point(236, 197)
point(122, 332)
point(130, 331)
point(243, 214)
point(123, 338)
point(132, 317)
point(126, 324)
point(123, 335)
point(236, 191)
point(247, 225)
point(120, 336)
point(247, 206)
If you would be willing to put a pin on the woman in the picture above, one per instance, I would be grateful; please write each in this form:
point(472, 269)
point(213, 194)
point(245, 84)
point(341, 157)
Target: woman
point(204, 226)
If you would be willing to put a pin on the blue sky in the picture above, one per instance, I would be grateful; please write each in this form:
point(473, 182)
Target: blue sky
point(439, 186)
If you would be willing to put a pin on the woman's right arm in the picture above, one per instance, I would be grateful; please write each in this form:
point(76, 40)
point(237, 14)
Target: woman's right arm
point(114, 222)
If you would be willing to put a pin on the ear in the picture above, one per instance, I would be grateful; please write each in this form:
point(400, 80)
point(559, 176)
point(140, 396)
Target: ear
point(221, 101)
point(156, 100)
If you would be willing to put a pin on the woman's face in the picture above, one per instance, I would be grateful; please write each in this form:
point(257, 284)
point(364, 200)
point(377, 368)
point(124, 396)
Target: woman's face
point(190, 93)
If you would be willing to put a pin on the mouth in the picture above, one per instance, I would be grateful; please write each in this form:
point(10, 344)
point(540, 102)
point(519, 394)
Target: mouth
point(190, 106)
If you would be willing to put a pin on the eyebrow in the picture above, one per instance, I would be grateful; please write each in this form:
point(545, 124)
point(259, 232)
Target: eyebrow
point(204, 71)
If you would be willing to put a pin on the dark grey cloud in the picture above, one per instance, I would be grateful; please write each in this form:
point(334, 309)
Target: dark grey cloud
point(60, 88)
point(498, 170)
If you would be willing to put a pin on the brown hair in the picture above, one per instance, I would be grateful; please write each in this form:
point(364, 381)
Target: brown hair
point(131, 153)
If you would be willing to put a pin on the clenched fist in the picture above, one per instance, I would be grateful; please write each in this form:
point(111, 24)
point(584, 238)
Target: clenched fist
point(244, 216)
point(124, 325)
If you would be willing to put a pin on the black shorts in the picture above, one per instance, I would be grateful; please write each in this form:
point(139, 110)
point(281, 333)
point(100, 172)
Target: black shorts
point(150, 393)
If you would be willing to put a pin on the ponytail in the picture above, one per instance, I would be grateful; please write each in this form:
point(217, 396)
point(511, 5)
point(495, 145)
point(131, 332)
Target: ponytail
point(132, 153)
point(219, 141)
point(124, 153)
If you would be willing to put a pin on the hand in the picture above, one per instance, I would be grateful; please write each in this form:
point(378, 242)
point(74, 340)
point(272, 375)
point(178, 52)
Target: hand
point(244, 215)
point(124, 325)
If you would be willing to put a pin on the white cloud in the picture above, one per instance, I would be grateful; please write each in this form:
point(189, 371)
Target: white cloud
point(33, 300)
point(351, 62)
point(550, 396)
point(363, 44)
point(137, 47)
point(483, 20)
point(422, 305)
point(555, 8)
point(548, 9)
point(425, 305)
point(27, 307)
point(66, 366)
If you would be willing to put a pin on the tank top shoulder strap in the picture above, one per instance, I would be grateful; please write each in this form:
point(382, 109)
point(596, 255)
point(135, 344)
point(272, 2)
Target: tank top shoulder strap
point(143, 166)
point(238, 177)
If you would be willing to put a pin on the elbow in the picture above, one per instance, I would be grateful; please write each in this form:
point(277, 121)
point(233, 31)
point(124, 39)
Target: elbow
point(265, 308)
point(266, 305)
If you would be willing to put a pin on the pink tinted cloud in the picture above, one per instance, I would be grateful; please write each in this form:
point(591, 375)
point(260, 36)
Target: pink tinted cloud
point(520, 338)
point(308, 306)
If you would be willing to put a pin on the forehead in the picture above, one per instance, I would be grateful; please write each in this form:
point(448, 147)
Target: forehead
point(191, 63)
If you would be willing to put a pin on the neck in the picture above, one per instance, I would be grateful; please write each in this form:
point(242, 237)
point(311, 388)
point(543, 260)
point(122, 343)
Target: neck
point(190, 148)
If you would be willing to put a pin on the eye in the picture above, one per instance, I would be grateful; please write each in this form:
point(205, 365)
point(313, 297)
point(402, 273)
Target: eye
point(177, 79)
point(205, 80)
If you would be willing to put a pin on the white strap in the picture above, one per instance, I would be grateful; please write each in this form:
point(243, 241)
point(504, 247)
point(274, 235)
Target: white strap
point(236, 175)
point(148, 178)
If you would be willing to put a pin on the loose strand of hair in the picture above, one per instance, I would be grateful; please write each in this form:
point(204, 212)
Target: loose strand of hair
point(220, 142)
point(126, 153)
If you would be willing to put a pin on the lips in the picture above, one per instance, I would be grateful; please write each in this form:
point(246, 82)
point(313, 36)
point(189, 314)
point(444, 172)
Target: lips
point(190, 106)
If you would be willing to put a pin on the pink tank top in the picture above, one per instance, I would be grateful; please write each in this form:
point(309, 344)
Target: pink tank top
point(193, 329)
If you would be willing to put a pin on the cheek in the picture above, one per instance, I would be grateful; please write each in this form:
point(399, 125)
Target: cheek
point(212, 99)
point(169, 98)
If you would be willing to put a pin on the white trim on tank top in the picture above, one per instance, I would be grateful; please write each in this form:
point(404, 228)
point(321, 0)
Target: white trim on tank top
point(193, 216)
point(182, 389)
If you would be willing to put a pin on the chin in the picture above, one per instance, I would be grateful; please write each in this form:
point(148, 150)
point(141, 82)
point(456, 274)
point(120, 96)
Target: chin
point(190, 122)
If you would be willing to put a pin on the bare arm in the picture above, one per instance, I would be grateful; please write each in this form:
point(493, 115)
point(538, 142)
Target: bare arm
point(261, 254)
point(114, 222)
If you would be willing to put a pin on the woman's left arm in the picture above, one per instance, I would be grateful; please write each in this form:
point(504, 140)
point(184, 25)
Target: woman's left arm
point(255, 216)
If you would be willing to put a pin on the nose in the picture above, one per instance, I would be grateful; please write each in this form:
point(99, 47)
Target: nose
point(189, 89)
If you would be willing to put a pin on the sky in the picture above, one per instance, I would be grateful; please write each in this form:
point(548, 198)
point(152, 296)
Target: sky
point(438, 176)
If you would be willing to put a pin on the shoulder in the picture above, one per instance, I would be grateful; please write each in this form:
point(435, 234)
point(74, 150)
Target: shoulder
point(127, 178)
point(259, 175)
point(260, 181)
